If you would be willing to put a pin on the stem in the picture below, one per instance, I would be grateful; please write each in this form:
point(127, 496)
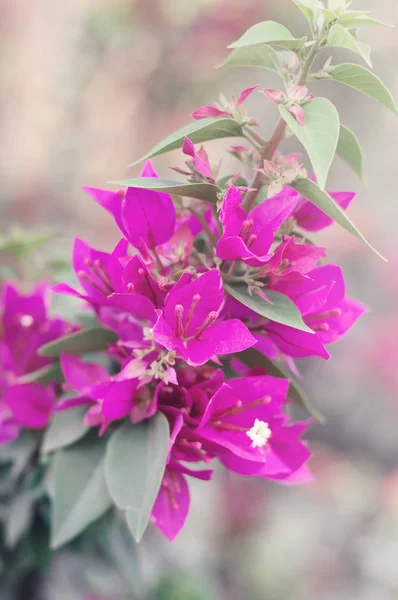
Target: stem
point(279, 133)
point(205, 225)
point(253, 135)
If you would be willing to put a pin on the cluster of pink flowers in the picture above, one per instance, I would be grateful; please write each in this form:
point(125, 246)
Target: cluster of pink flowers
point(179, 332)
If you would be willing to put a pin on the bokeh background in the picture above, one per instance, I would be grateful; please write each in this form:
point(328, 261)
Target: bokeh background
point(86, 86)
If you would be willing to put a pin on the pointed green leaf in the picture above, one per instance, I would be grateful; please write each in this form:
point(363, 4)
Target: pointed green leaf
point(134, 466)
point(200, 191)
point(354, 18)
point(308, 8)
point(87, 340)
point(338, 36)
point(269, 32)
point(322, 200)
point(280, 308)
point(66, 428)
point(254, 358)
point(200, 131)
point(253, 56)
point(349, 149)
point(365, 81)
point(45, 375)
point(80, 493)
point(319, 134)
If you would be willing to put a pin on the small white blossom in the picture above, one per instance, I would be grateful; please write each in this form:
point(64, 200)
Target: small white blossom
point(26, 320)
point(259, 434)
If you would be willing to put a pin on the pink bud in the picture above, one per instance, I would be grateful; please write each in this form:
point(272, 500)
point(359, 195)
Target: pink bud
point(297, 112)
point(276, 96)
point(271, 169)
point(209, 111)
point(188, 148)
point(297, 93)
point(244, 95)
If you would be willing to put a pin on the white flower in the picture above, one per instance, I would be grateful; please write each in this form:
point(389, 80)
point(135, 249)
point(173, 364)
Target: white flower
point(259, 434)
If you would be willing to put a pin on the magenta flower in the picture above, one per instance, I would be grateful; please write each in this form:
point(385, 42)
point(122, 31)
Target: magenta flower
point(25, 326)
point(292, 257)
point(225, 108)
point(248, 237)
point(199, 164)
point(189, 322)
point(324, 307)
point(244, 419)
point(146, 218)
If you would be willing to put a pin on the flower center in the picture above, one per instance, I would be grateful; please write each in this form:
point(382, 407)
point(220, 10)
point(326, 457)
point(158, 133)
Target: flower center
point(183, 321)
point(97, 276)
point(259, 434)
point(26, 320)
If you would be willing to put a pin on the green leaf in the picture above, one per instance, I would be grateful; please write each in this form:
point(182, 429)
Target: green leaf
point(200, 131)
point(354, 18)
point(280, 308)
point(134, 466)
point(349, 149)
point(19, 242)
point(338, 36)
point(319, 134)
point(200, 191)
point(269, 32)
point(254, 358)
point(365, 81)
point(80, 492)
point(253, 56)
point(87, 340)
point(45, 375)
point(308, 8)
point(322, 200)
point(66, 428)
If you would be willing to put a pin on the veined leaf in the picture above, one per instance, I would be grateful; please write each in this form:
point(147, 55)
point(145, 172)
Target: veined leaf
point(134, 467)
point(80, 492)
point(200, 131)
point(310, 190)
point(87, 340)
point(349, 149)
point(269, 32)
point(253, 56)
point(319, 134)
point(45, 375)
point(365, 81)
point(254, 358)
point(338, 36)
point(66, 428)
point(281, 309)
point(200, 191)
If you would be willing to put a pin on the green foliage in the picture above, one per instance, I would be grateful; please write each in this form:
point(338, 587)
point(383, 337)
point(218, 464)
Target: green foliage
point(253, 56)
point(200, 191)
point(80, 495)
point(20, 243)
point(349, 149)
point(45, 375)
point(135, 462)
point(280, 308)
point(322, 200)
point(319, 134)
point(200, 131)
point(341, 37)
point(365, 81)
point(269, 32)
point(87, 340)
point(66, 428)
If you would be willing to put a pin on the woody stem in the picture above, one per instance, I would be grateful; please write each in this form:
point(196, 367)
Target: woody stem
point(279, 133)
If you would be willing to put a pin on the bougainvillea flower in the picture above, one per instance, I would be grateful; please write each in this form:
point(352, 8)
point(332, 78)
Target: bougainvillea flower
point(293, 257)
point(248, 237)
point(324, 307)
point(224, 109)
point(99, 273)
point(189, 322)
point(171, 507)
point(293, 100)
point(146, 218)
point(244, 418)
point(31, 404)
point(199, 163)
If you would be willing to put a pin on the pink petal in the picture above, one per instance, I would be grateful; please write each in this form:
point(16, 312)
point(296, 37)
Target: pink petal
point(297, 112)
point(276, 96)
point(205, 112)
point(244, 95)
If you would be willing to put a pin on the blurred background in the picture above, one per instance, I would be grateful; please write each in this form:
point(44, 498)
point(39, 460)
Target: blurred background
point(87, 86)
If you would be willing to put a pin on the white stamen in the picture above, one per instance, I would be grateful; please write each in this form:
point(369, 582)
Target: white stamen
point(26, 320)
point(259, 434)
